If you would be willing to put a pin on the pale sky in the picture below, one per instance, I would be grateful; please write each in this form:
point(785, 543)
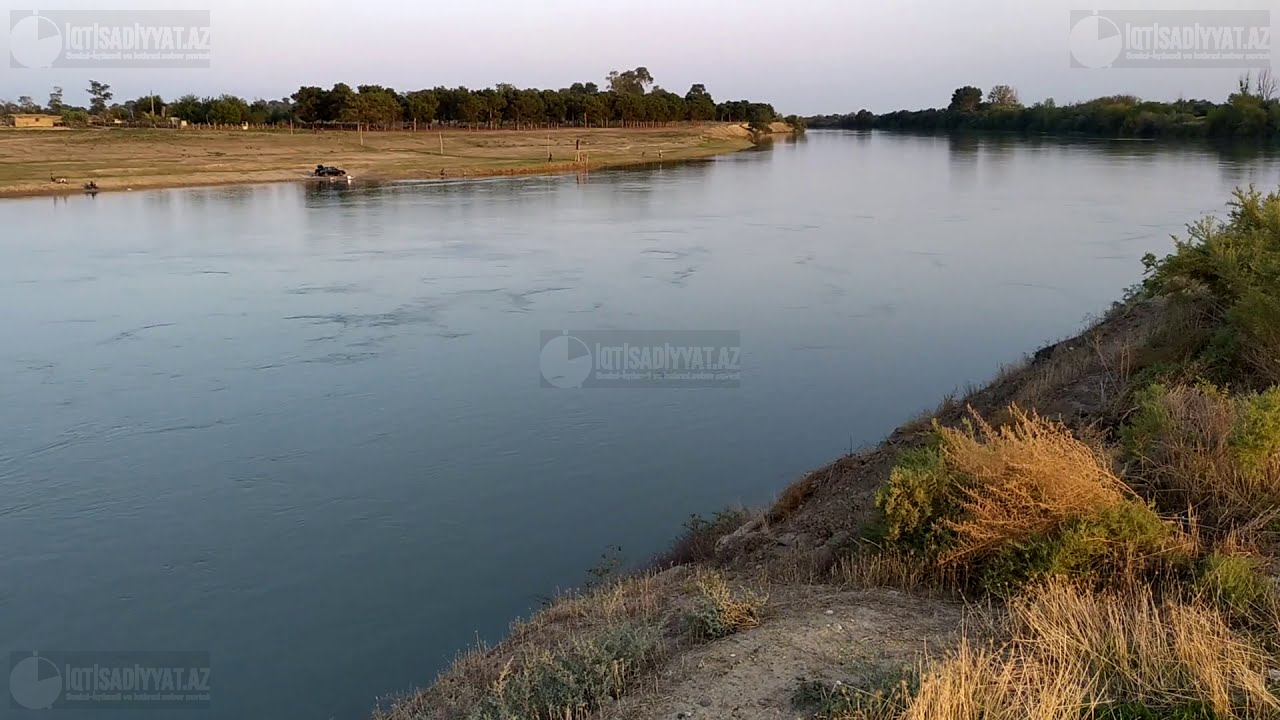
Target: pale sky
point(804, 56)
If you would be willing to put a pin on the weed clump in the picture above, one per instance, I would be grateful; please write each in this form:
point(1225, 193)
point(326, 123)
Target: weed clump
point(1238, 586)
point(698, 541)
point(1204, 447)
point(1010, 505)
point(721, 612)
point(883, 697)
point(573, 680)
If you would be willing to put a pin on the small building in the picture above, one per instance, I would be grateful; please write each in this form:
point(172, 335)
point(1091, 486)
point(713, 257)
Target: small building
point(34, 120)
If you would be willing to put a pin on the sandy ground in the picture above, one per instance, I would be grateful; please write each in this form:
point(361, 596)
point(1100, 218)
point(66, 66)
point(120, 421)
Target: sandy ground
point(134, 159)
point(813, 633)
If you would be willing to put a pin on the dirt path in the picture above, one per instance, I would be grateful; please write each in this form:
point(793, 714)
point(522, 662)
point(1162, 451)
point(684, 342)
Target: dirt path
point(813, 633)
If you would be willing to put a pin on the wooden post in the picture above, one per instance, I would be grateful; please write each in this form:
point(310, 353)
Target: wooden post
point(441, 134)
point(360, 132)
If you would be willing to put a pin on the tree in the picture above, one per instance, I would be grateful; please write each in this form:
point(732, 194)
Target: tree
point(55, 101)
point(309, 103)
point(470, 107)
point(99, 95)
point(630, 82)
point(150, 105)
point(1003, 96)
point(555, 106)
point(227, 110)
point(189, 108)
point(337, 103)
point(700, 104)
point(421, 106)
point(492, 101)
point(1266, 85)
point(27, 104)
point(528, 106)
point(966, 99)
point(373, 105)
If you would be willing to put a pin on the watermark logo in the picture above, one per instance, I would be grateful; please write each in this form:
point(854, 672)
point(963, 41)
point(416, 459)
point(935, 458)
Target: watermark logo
point(641, 358)
point(1170, 38)
point(102, 680)
point(35, 682)
point(109, 39)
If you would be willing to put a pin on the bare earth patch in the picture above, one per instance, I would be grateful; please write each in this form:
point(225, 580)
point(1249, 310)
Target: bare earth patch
point(134, 159)
point(814, 633)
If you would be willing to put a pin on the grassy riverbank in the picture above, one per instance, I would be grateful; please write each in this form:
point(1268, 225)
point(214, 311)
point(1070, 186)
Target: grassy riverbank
point(120, 159)
point(1091, 535)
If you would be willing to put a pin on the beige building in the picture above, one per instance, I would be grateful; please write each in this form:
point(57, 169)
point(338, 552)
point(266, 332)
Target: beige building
point(34, 120)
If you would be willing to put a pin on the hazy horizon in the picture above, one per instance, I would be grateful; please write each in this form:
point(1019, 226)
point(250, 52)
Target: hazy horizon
point(824, 58)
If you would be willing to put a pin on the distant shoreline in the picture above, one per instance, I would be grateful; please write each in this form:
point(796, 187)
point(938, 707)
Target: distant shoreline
point(31, 161)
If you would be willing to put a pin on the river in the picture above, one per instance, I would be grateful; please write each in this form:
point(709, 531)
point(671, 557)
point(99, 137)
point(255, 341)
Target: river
point(301, 426)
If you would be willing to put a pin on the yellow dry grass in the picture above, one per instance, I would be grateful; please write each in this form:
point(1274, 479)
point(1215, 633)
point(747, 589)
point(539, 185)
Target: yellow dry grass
point(1072, 651)
point(892, 568)
point(120, 158)
point(730, 612)
point(1028, 477)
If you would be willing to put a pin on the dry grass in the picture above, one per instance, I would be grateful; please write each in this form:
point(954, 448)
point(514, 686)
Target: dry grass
point(1073, 651)
point(894, 569)
point(139, 158)
point(793, 497)
point(1028, 478)
point(698, 541)
point(1201, 447)
point(627, 599)
point(721, 611)
point(563, 663)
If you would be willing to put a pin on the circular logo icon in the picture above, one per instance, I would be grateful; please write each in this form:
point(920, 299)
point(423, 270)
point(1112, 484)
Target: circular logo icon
point(35, 41)
point(35, 682)
point(565, 361)
point(1095, 41)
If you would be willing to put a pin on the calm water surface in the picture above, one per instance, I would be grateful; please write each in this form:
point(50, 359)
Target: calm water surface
point(301, 425)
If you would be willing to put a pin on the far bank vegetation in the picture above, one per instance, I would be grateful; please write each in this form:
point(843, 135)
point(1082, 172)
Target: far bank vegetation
point(629, 98)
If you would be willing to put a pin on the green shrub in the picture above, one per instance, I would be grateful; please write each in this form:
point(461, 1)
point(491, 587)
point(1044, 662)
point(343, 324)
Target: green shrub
point(698, 541)
point(1237, 264)
point(1236, 584)
point(1128, 539)
point(75, 118)
point(1255, 439)
point(1149, 422)
point(573, 680)
point(1203, 447)
point(1005, 507)
point(920, 496)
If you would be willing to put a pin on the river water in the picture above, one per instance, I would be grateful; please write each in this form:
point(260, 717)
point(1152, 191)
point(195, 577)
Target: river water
point(301, 426)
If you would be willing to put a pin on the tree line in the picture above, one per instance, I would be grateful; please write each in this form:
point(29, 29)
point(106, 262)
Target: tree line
point(1252, 112)
point(628, 98)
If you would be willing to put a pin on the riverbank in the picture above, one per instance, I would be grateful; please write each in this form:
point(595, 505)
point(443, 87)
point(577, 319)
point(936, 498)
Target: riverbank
point(137, 159)
point(1092, 534)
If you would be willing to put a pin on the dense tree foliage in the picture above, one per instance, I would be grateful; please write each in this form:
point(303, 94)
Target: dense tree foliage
point(1253, 111)
point(629, 97)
